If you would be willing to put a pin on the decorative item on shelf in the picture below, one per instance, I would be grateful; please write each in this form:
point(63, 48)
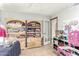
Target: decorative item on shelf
point(37, 30)
point(67, 28)
point(59, 33)
point(37, 35)
point(55, 42)
point(60, 43)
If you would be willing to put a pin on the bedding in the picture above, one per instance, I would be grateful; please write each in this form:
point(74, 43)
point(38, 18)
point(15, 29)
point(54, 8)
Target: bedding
point(12, 50)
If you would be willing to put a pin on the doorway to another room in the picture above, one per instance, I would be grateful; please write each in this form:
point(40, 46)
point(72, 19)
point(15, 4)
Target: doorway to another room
point(53, 28)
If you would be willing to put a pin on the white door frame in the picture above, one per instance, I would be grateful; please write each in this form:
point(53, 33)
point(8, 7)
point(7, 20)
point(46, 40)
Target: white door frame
point(55, 18)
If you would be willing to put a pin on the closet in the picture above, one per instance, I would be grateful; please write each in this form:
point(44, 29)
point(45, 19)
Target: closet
point(16, 31)
point(33, 34)
point(28, 32)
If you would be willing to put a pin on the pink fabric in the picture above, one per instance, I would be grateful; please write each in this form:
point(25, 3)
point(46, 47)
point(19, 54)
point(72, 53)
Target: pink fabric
point(73, 38)
point(2, 32)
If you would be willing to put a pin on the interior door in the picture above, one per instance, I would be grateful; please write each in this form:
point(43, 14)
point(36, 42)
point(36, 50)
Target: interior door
point(54, 28)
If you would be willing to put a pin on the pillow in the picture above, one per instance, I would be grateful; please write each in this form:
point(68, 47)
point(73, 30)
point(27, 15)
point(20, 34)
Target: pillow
point(1, 40)
point(10, 41)
point(7, 43)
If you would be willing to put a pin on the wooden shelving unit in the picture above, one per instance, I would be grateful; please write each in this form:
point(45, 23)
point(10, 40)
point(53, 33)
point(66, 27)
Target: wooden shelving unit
point(33, 34)
point(56, 41)
point(16, 28)
point(27, 32)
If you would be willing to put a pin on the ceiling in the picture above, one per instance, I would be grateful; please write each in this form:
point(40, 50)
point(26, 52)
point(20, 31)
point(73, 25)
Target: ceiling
point(47, 9)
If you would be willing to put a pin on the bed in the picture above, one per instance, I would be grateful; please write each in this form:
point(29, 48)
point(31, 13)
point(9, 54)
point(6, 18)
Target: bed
point(13, 50)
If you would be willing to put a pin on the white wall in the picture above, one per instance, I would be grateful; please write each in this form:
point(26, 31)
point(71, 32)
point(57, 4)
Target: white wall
point(24, 16)
point(1, 17)
point(66, 15)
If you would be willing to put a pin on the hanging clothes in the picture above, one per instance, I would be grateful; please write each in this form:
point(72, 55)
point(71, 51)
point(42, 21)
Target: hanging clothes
point(2, 32)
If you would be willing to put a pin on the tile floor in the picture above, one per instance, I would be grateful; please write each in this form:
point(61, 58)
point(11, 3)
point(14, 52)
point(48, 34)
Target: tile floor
point(40, 51)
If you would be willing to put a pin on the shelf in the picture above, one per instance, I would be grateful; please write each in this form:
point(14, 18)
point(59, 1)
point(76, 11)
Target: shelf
point(33, 32)
point(75, 52)
point(55, 38)
point(56, 44)
point(60, 39)
point(67, 47)
point(16, 33)
point(63, 40)
point(34, 27)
